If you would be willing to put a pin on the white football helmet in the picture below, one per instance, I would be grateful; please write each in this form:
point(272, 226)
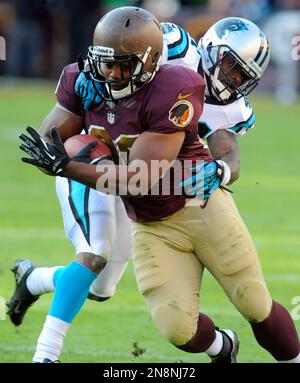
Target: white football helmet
point(247, 46)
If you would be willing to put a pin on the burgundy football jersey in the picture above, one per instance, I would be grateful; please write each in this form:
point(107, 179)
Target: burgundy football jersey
point(171, 102)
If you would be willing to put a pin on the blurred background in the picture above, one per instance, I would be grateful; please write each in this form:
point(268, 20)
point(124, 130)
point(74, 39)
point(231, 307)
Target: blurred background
point(41, 36)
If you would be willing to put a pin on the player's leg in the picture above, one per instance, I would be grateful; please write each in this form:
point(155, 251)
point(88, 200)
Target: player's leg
point(105, 284)
point(32, 281)
point(89, 219)
point(230, 255)
point(169, 275)
point(117, 241)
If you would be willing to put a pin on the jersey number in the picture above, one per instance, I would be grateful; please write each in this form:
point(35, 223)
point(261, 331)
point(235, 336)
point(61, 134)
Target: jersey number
point(119, 147)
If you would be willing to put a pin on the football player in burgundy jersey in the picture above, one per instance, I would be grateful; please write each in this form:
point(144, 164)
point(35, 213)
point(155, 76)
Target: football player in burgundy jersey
point(90, 216)
point(155, 118)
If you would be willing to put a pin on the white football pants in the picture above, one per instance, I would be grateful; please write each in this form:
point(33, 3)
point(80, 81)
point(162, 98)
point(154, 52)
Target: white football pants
point(96, 223)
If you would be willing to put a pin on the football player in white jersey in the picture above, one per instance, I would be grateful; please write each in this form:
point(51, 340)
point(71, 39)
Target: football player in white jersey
point(227, 112)
point(231, 72)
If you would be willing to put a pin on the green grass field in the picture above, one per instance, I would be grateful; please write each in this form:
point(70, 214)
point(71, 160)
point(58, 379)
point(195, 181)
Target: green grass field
point(31, 226)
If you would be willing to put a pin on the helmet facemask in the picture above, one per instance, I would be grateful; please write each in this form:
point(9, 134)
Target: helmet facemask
point(221, 64)
point(132, 69)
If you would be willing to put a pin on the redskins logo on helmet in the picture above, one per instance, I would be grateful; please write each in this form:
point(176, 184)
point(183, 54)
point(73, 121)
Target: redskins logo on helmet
point(130, 38)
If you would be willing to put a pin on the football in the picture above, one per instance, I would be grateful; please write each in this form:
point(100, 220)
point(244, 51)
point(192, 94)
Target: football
point(75, 143)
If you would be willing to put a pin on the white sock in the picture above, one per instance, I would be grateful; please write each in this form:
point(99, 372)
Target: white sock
point(51, 340)
point(40, 281)
point(216, 345)
point(294, 360)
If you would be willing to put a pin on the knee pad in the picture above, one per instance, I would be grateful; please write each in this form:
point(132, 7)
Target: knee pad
point(175, 325)
point(253, 301)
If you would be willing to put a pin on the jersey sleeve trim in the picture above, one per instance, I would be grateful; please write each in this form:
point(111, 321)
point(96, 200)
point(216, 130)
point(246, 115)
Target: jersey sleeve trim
point(204, 129)
point(180, 47)
point(244, 124)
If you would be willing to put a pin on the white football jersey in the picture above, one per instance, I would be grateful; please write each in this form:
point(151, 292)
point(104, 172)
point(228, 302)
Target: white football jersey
point(181, 49)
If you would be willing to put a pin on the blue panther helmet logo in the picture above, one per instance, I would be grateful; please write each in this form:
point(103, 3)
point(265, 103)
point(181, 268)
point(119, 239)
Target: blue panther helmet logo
point(230, 25)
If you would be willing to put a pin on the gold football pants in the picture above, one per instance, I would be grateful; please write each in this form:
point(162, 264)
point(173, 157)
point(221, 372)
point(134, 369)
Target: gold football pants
point(169, 257)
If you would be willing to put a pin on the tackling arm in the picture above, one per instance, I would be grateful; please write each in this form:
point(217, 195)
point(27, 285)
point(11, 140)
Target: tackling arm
point(224, 146)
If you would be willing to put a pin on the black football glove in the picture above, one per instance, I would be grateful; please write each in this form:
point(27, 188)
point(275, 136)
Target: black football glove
point(51, 158)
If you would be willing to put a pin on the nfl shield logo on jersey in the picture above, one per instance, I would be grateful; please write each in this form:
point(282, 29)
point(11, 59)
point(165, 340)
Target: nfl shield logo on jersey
point(111, 118)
